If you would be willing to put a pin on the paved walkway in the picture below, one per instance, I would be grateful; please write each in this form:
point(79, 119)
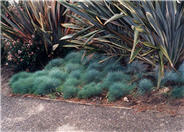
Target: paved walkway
point(26, 114)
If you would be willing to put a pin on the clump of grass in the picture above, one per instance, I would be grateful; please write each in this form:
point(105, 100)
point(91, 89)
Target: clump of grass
point(76, 74)
point(70, 92)
point(136, 67)
point(113, 67)
point(145, 86)
point(45, 85)
point(71, 82)
point(69, 67)
point(91, 75)
point(96, 66)
point(89, 91)
point(177, 92)
point(40, 73)
point(118, 90)
point(114, 77)
point(181, 68)
point(58, 74)
point(20, 75)
point(23, 86)
point(54, 63)
point(74, 57)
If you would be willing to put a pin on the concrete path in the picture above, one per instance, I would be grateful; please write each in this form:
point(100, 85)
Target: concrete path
point(26, 114)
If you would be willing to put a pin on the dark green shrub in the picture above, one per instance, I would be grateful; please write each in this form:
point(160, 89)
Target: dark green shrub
point(23, 86)
point(58, 74)
point(20, 75)
point(90, 90)
point(45, 85)
point(118, 90)
point(70, 92)
point(145, 86)
point(54, 63)
point(177, 92)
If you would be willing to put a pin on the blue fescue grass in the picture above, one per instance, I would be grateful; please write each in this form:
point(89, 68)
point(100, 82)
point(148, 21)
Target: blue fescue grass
point(118, 90)
point(91, 75)
point(45, 85)
point(70, 92)
point(76, 74)
point(145, 86)
point(177, 92)
point(54, 63)
point(74, 57)
point(90, 90)
point(69, 67)
point(20, 75)
point(58, 74)
point(23, 86)
point(136, 67)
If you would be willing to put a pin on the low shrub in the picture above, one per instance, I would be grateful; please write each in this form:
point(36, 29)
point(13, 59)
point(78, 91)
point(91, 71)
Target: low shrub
point(145, 86)
point(40, 73)
point(76, 74)
point(118, 90)
point(74, 57)
point(177, 92)
point(90, 90)
point(71, 82)
point(136, 67)
point(69, 67)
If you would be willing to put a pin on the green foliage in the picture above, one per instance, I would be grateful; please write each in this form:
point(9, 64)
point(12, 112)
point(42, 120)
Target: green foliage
point(70, 91)
point(20, 75)
point(181, 68)
point(74, 57)
point(71, 82)
point(113, 67)
point(136, 67)
point(33, 38)
point(91, 75)
point(90, 90)
point(177, 92)
point(45, 85)
point(145, 86)
point(54, 63)
point(118, 90)
point(69, 67)
point(58, 74)
point(40, 73)
point(23, 85)
point(76, 74)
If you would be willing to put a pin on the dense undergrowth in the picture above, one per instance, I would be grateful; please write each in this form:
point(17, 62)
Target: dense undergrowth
point(85, 77)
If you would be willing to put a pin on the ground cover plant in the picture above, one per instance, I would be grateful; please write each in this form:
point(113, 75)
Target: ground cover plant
point(79, 76)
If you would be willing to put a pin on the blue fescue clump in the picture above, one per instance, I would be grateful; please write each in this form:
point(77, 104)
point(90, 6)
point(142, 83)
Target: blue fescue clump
point(40, 73)
point(45, 85)
point(20, 75)
point(118, 90)
point(76, 74)
point(70, 92)
point(69, 67)
point(54, 63)
point(58, 74)
point(71, 82)
point(136, 67)
point(90, 90)
point(23, 86)
point(145, 86)
point(181, 68)
point(114, 77)
point(91, 75)
point(113, 67)
point(74, 57)
point(177, 92)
